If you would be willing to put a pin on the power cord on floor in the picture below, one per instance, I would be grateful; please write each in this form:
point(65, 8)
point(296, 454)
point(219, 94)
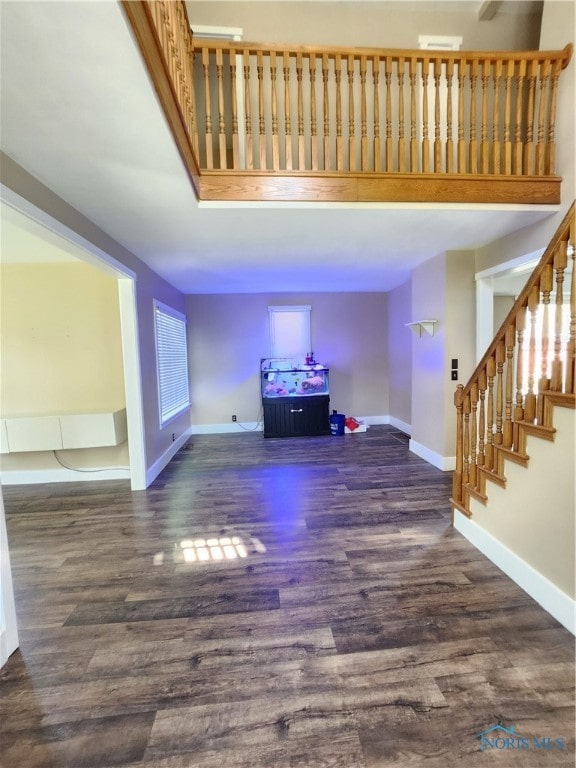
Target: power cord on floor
point(259, 421)
point(76, 469)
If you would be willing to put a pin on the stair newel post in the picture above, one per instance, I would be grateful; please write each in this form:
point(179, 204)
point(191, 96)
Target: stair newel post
point(473, 435)
point(518, 409)
point(530, 399)
point(571, 351)
point(481, 419)
point(509, 341)
point(546, 283)
point(560, 264)
point(466, 442)
point(457, 477)
point(490, 373)
point(500, 359)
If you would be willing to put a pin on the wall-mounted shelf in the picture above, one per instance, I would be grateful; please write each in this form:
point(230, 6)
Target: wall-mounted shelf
point(54, 433)
point(422, 325)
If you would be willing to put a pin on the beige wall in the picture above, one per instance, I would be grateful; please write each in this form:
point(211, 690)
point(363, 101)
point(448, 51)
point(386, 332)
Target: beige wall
point(429, 355)
point(442, 290)
point(148, 285)
point(61, 345)
point(400, 340)
point(534, 515)
point(378, 24)
point(228, 335)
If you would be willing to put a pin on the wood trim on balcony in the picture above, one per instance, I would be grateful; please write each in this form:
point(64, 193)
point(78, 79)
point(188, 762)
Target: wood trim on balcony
point(266, 186)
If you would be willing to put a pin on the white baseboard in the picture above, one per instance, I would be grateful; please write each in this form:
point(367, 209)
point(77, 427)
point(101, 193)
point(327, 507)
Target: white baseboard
point(445, 463)
point(154, 470)
point(62, 475)
point(401, 425)
point(560, 605)
point(232, 427)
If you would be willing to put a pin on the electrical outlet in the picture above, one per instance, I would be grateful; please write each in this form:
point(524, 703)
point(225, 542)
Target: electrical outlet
point(234, 417)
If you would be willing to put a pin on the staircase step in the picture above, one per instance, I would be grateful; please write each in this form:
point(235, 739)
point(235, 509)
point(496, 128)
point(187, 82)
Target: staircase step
point(538, 430)
point(515, 456)
point(478, 495)
point(563, 399)
point(460, 507)
point(490, 474)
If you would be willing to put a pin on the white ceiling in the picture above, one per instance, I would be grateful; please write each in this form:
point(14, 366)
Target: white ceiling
point(79, 113)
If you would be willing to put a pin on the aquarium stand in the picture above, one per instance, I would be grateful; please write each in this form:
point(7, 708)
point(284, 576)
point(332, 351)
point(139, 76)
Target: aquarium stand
point(297, 416)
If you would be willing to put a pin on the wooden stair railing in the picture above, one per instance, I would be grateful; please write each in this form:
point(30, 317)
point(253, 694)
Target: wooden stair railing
point(272, 122)
point(529, 367)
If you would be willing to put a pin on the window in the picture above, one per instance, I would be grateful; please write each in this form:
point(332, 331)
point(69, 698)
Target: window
point(172, 361)
point(290, 331)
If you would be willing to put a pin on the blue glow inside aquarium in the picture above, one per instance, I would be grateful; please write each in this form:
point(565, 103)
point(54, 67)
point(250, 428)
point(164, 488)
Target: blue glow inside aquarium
point(303, 381)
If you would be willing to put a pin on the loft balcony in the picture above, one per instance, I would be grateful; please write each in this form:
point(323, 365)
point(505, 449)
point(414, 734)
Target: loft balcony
point(300, 123)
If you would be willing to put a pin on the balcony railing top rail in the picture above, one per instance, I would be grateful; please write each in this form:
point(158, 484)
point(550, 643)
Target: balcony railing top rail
point(258, 121)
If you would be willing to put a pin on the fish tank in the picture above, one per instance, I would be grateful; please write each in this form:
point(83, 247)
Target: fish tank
point(278, 378)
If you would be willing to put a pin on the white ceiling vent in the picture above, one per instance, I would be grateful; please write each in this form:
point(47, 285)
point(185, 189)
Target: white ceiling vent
point(439, 43)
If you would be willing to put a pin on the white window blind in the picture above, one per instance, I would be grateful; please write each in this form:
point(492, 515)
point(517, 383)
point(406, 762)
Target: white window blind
point(172, 361)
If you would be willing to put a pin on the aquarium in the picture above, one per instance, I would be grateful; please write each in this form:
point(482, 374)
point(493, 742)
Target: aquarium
point(301, 381)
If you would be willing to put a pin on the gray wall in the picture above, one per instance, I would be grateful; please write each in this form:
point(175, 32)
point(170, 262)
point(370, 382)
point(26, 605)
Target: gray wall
point(228, 334)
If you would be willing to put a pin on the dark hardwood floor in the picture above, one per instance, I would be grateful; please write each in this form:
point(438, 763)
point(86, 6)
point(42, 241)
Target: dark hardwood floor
point(343, 623)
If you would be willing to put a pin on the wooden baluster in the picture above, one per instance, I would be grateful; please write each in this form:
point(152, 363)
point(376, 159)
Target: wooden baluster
point(363, 116)
point(413, 140)
point(301, 148)
point(287, 124)
point(481, 461)
point(208, 108)
point(325, 75)
point(192, 95)
point(235, 138)
point(351, 117)
point(560, 264)
point(261, 118)
point(570, 385)
point(490, 373)
point(550, 161)
point(437, 140)
point(401, 119)
point(509, 342)
point(518, 409)
point(462, 67)
point(473, 435)
point(530, 115)
point(518, 144)
point(313, 123)
point(388, 78)
point(540, 144)
point(248, 110)
point(497, 75)
point(500, 359)
point(473, 162)
point(457, 476)
point(449, 117)
point(221, 121)
point(484, 146)
point(275, 141)
point(339, 145)
point(546, 285)
point(508, 118)
point(530, 399)
point(376, 77)
point(466, 447)
point(425, 125)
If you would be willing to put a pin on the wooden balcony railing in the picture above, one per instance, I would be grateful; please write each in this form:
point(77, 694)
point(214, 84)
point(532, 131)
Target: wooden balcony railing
point(529, 366)
point(295, 122)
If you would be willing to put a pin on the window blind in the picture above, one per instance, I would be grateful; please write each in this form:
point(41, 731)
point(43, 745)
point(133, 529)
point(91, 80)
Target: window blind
point(172, 361)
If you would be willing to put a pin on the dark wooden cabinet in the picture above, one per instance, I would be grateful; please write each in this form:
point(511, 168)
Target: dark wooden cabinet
point(297, 416)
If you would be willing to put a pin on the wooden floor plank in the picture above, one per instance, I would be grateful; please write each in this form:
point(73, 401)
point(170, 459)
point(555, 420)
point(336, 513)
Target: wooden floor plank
point(352, 628)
